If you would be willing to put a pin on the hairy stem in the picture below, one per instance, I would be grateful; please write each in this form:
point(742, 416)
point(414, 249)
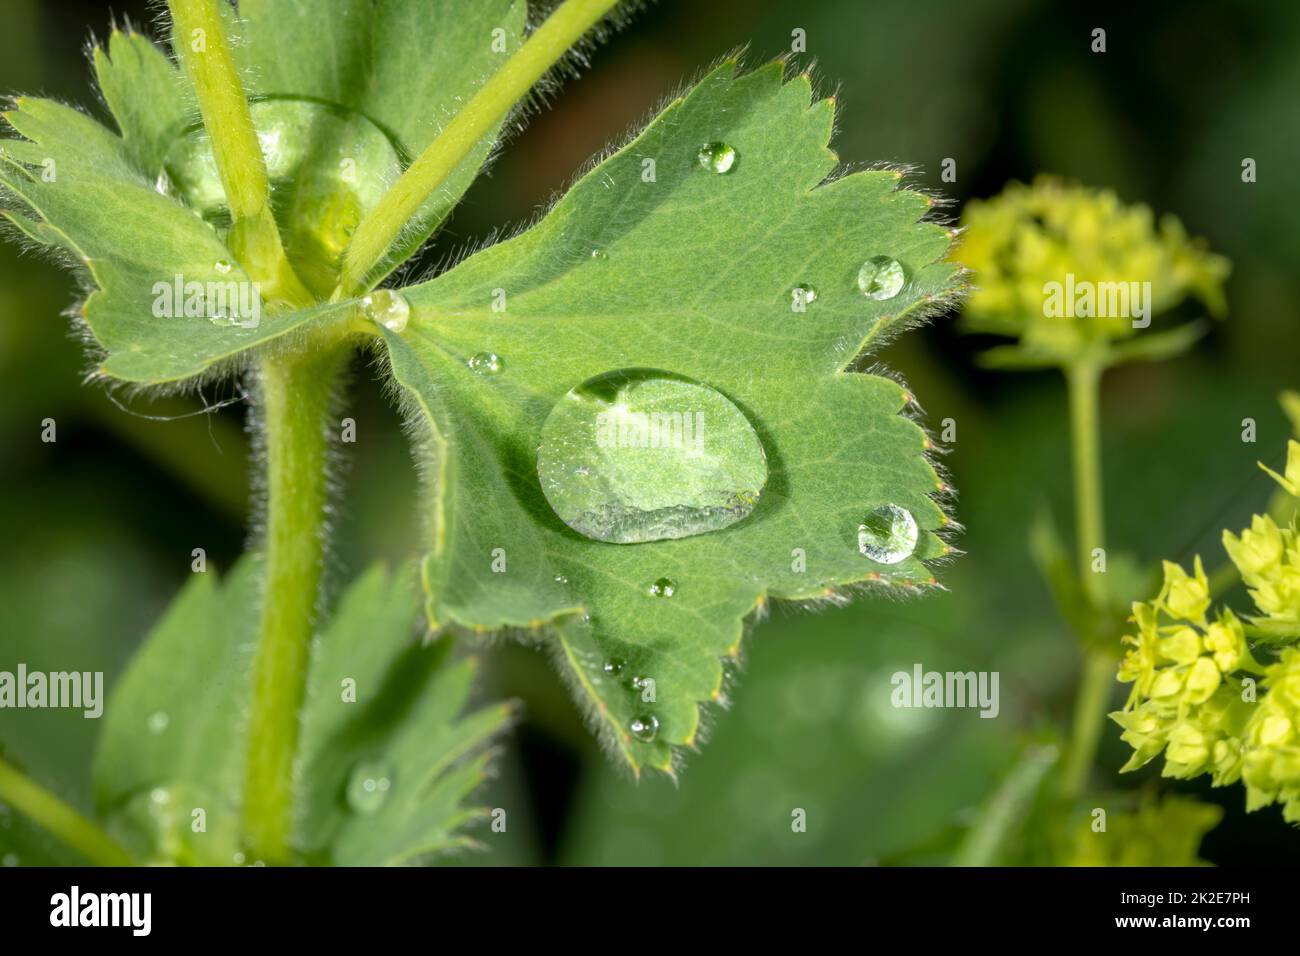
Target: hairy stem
point(254, 238)
point(60, 819)
point(296, 393)
point(1096, 684)
point(489, 106)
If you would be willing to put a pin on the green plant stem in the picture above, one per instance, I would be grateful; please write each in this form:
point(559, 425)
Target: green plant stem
point(203, 46)
point(296, 393)
point(1083, 379)
point(60, 819)
point(376, 232)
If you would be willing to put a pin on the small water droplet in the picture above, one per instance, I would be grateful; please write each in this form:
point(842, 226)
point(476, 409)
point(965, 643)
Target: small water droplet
point(664, 587)
point(486, 363)
point(643, 455)
point(368, 786)
point(802, 296)
point(644, 728)
point(717, 157)
point(881, 278)
point(158, 722)
point(238, 858)
point(613, 668)
point(599, 254)
point(888, 534)
point(223, 266)
point(387, 308)
point(10, 859)
point(561, 579)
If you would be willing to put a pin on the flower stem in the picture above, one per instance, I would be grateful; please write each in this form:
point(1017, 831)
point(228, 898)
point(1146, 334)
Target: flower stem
point(296, 391)
point(486, 108)
point(60, 819)
point(1083, 379)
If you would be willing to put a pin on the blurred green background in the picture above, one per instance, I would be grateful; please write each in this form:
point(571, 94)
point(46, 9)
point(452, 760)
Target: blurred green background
point(99, 527)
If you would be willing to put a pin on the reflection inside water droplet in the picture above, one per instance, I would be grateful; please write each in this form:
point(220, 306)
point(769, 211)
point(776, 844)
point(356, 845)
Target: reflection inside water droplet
point(888, 534)
point(881, 278)
point(802, 296)
point(644, 728)
point(368, 786)
point(664, 587)
point(485, 363)
point(387, 308)
point(717, 157)
point(642, 455)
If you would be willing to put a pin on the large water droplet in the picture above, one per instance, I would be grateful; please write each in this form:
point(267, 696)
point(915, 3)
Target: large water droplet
point(368, 786)
point(328, 167)
point(642, 455)
point(664, 587)
point(881, 278)
point(717, 157)
point(888, 534)
point(486, 363)
point(644, 728)
point(387, 308)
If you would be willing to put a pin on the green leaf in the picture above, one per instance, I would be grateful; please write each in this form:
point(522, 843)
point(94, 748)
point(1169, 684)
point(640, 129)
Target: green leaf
point(134, 242)
point(174, 739)
point(171, 740)
point(689, 271)
point(407, 65)
point(405, 719)
point(147, 94)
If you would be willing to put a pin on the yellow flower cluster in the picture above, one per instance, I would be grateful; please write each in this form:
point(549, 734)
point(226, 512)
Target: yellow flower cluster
point(1199, 694)
point(1029, 241)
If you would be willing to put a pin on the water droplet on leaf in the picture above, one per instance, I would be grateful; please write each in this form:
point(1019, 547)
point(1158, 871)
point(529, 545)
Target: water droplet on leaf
point(802, 295)
point(486, 363)
point(641, 455)
point(599, 254)
point(664, 587)
point(881, 278)
point(644, 728)
point(613, 668)
point(368, 786)
point(717, 157)
point(328, 168)
point(223, 266)
point(158, 722)
point(387, 308)
point(888, 534)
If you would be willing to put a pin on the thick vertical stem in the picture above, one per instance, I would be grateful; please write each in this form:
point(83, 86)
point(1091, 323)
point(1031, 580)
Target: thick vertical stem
point(296, 393)
point(1098, 669)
